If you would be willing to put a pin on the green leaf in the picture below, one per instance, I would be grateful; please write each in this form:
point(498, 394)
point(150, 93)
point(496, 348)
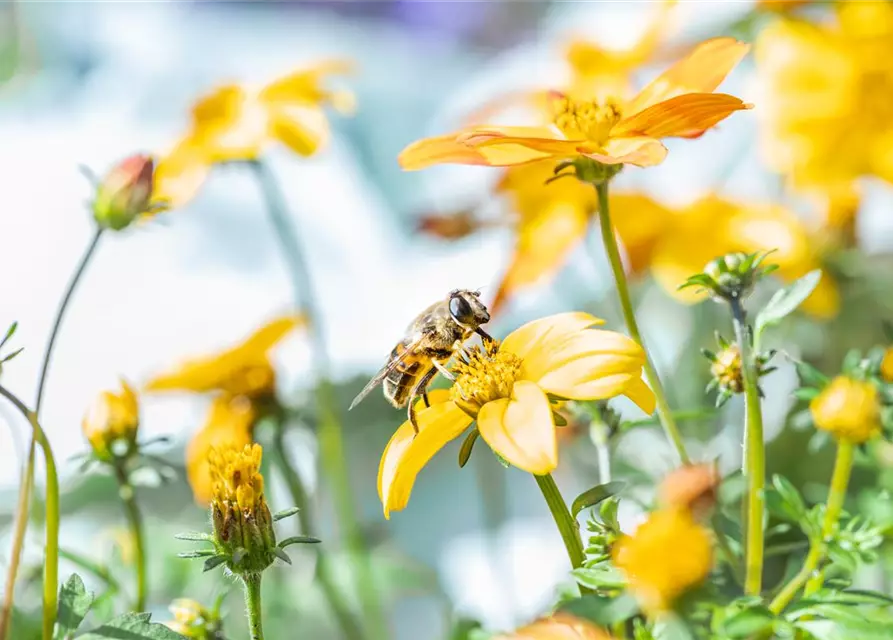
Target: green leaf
point(12, 355)
point(280, 553)
point(748, 623)
point(598, 578)
point(786, 300)
point(298, 540)
point(74, 603)
point(132, 626)
point(790, 495)
point(285, 513)
point(672, 627)
point(467, 446)
point(805, 394)
point(9, 333)
point(596, 494)
point(603, 610)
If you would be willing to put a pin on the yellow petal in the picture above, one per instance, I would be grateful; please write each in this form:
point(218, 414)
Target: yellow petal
point(639, 151)
point(641, 395)
point(407, 453)
point(180, 174)
point(824, 301)
point(269, 335)
point(640, 222)
point(544, 242)
point(506, 146)
point(305, 86)
point(521, 430)
point(303, 129)
point(439, 150)
point(701, 71)
point(530, 336)
point(219, 109)
point(687, 115)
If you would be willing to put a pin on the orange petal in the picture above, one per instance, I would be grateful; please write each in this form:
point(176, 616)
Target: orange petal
point(544, 242)
point(439, 150)
point(560, 626)
point(533, 335)
point(640, 151)
point(686, 116)
point(701, 71)
point(521, 430)
point(407, 453)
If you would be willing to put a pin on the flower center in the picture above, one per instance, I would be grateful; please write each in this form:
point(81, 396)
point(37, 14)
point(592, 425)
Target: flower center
point(584, 119)
point(489, 374)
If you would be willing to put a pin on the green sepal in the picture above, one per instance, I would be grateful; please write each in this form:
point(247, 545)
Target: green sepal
point(212, 563)
point(467, 446)
point(285, 513)
point(298, 540)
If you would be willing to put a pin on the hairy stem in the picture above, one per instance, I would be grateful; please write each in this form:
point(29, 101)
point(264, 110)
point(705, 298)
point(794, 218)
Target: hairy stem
point(663, 407)
point(253, 607)
point(331, 439)
point(754, 455)
point(135, 522)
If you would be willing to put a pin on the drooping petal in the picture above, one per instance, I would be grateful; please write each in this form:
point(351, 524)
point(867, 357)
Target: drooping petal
point(683, 116)
point(521, 429)
point(407, 452)
point(544, 242)
point(303, 129)
point(532, 335)
point(641, 395)
point(701, 71)
point(640, 151)
point(269, 335)
point(439, 150)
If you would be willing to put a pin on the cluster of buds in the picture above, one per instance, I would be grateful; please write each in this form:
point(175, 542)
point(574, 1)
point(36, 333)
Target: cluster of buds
point(195, 621)
point(726, 369)
point(731, 277)
point(111, 425)
point(585, 170)
point(243, 537)
point(125, 193)
point(604, 530)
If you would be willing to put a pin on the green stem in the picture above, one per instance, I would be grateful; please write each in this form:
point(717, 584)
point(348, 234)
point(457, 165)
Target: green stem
point(331, 440)
point(663, 407)
point(27, 484)
point(135, 521)
point(567, 525)
point(754, 455)
point(253, 605)
point(325, 576)
point(599, 435)
point(51, 559)
point(843, 465)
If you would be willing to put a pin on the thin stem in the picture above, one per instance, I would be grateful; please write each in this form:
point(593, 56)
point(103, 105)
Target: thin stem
point(331, 440)
point(843, 465)
point(345, 618)
point(27, 484)
point(599, 436)
point(51, 558)
point(567, 525)
point(663, 408)
point(253, 606)
point(754, 455)
point(135, 522)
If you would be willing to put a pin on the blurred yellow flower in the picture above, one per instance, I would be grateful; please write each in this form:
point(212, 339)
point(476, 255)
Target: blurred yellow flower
point(666, 556)
point(112, 422)
point(887, 366)
point(848, 409)
point(243, 370)
point(236, 123)
point(193, 620)
point(504, 388)
point(560, 626)
point(679, 103)
point(827, 116)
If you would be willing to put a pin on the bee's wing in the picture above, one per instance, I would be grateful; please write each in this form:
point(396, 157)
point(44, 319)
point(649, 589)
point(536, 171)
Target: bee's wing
point(383, 372)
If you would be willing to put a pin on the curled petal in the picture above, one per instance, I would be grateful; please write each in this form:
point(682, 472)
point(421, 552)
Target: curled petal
point(407, 453)
point(683, 116)
point(507, 146)
point(521, 430)
point(641, 151)
point(539, 333)
point(439, 150)
point(303, 129)
point(701, 71)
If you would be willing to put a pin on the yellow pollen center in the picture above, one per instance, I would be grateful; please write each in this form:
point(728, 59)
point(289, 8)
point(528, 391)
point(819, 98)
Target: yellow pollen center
point(489, 374)
point(236, 478)
point(583, 119)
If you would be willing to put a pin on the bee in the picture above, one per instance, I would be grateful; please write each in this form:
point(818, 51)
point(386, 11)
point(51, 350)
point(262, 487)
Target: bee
point(429, 343)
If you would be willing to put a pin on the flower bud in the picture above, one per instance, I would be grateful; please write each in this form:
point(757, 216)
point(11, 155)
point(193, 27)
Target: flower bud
point(731, 276)
point(194, 621)
point(727, 370)
point(125, 193)
point(111, 424)
point(848, 409)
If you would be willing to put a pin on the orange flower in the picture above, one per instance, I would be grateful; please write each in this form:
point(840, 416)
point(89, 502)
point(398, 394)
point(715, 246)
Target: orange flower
point(561, 626)
point(679, 103)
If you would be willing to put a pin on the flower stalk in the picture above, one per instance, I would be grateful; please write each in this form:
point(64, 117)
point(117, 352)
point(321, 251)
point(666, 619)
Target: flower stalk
point(754, 464)
point(668, 422)
point(51, 557)
point(808, 575)
point(135, 522)
point(330, 435)
point(253, 609)
point(567, 525)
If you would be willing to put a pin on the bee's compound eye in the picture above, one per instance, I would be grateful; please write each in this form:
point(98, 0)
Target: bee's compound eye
point(461, 310)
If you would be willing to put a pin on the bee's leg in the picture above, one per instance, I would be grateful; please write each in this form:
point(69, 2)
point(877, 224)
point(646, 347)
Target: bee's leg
point(486, 338)
point(442, 370)
point(420, 388)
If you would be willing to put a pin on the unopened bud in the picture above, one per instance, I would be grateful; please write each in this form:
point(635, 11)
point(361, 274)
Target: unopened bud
point(125, 193)
point(111, 424)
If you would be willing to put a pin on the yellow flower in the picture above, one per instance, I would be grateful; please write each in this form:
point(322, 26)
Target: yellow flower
point(679, 103)
point(727, 369)
point(507, 390)
point(230, 423)
point(243, 370)
point(236, 123)
point(112, 422)
point(887, 366)
point(666, 556)
point(848, 409)
point(236, 478)
point(193, 620)
point(560, 626)
point(827, 119)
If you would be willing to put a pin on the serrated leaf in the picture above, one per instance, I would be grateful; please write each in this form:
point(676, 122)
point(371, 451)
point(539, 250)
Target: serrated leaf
point(132, 626)
point(285, 513)
point(748, 623)
point(212, 563)
point(603, 610)
point(595, 495)
point(298, 540)
point(786, 301)
point(74, 603)
point(467, 446)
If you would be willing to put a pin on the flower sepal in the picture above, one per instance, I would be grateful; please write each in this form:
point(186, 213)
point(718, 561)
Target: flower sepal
point(585, 170)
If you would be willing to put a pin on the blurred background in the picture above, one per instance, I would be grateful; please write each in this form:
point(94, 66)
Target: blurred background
point(90, 83)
